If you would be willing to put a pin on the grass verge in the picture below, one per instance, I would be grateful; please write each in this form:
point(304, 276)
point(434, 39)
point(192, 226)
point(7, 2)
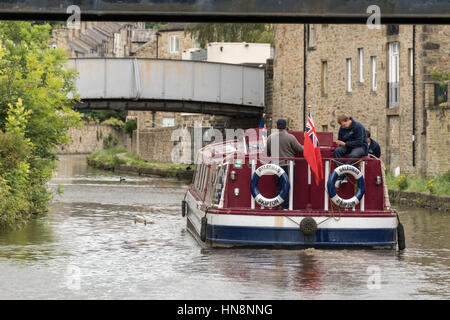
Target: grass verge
point(112, 158)
point(438, 185)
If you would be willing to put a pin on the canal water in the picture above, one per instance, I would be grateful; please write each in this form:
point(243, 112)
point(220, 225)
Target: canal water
point(90, 247)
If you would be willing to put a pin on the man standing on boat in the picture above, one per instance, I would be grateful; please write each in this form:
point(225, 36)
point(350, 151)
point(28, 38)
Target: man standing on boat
point(288, 146)
point(352, 141)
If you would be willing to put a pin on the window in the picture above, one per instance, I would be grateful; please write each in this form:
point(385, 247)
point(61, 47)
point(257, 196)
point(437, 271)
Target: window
point(174, 44)
point(394, 74)
point(361, 64)
point(168, 122)
point(440, 93)
point(349, 75)
point(200, 179)
point(196, 43)
point(311, 35)
point(411, 61)
point(392, 29)
point(373, 63)
point(324, 78)
point(117, 44)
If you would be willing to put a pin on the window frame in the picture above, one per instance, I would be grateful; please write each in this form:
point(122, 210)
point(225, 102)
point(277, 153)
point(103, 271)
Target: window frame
point(361, 64)
point(374, 73)
point(311, 36)
point(411, 61)
point(394, 75)
point(349, 71)
point(177, 42)
point(324, 77)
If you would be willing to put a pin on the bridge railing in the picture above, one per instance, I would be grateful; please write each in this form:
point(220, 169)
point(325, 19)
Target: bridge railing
point(156, 79)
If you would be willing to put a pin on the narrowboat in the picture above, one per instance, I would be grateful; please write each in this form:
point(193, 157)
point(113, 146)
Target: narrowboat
point(232, 200)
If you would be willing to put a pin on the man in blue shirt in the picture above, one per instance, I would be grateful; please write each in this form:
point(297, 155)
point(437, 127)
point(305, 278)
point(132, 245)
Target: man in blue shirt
point(374, 147)
point(352, 141)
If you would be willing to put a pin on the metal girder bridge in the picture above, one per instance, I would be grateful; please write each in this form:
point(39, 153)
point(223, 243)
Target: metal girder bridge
point(169, 85)
point(265, 11)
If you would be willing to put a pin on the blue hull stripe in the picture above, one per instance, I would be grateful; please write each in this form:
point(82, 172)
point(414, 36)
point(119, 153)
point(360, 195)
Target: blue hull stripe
point(293, 236)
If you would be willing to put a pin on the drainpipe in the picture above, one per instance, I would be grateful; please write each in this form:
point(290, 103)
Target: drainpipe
point(304, 76)
point(414, 99)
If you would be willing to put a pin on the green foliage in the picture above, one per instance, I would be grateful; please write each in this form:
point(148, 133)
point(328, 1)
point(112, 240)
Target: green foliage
point(115, 123)
point(231, 32)
point(108, 158)
point(155, 25)
point(110, 142)
point(439, 184)
point(430, 186)
point(111, 158)
point(102, 115)
point(442, 76)
point(35, 114)
point(402, 182)
point(130, 126)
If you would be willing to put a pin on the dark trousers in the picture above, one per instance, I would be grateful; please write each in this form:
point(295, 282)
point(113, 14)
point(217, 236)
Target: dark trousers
point(340, 152)
point(285, 204)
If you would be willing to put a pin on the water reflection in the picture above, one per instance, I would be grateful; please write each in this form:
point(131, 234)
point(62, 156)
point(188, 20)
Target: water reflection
point(91, 229)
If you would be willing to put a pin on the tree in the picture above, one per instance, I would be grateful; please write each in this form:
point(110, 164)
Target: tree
point(444, 79)
point(442, 76)
point(35, 90)
point(231, 32)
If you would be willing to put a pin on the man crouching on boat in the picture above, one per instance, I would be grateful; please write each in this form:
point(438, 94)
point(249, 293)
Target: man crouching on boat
point(288, 147)
point(352, 142)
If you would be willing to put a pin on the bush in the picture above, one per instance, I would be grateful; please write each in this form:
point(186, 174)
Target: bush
point(402, 182)
point(115, 123)
point(110, 142)
point(35, 114)
point(15, 185)
point(130, 126)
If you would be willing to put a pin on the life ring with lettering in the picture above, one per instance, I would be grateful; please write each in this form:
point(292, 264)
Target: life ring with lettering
point(331, 190)
point(270, 168)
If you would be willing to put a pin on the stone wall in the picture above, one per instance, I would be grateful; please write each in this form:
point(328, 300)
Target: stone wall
point(419, 199)
point(90, 138)
point(438, 140)
point(159, 47)
point(185, 42)
point(155, 144)
point(288, 75)
point(148, 50)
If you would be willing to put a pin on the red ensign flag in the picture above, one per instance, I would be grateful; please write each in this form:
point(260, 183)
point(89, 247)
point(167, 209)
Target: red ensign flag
point(311, 150)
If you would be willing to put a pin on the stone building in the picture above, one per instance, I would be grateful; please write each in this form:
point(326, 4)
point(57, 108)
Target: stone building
point(169, 43)
point(381, 77)
point(102, 39)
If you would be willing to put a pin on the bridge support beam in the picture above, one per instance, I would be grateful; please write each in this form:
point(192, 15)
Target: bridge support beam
point(235, 110)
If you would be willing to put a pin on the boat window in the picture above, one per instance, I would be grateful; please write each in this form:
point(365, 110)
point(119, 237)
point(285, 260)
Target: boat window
point(200, 177)
point(219, 185)
point(210, 190)
point(203, 176)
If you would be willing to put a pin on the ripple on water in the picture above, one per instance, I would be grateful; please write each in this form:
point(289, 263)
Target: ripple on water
point(89, 247)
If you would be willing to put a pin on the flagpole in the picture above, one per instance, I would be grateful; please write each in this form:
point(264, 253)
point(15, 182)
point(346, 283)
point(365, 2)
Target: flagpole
point(309, 206)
